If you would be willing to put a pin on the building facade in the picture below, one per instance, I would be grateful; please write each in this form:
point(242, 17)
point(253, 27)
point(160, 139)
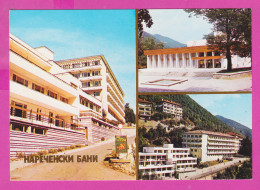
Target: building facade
point(209, 146)
point(165, 161)
point(144, 109)
point(48, 106)
point(99, 81)
point(169, 107)
point(197, 55)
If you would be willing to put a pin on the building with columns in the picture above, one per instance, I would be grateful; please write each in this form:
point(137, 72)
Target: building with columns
point(197, 55)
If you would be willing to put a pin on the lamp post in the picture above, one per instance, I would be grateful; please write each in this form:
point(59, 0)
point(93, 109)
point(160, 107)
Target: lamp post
point(120, 126)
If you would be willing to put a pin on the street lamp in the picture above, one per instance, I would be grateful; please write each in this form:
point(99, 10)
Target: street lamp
point(120, 126)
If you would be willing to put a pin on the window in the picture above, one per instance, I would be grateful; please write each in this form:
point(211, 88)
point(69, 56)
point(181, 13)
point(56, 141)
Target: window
point(76, 75)
point(52, 94)
point(97, 83)
point(96, 93)
point(20, 80)
point(96, 73)
point(86, 74)
point(39, 116)
point(76, 65)
point(96, 63)
point(86, 84)
point(37, 88)
point(65, 100)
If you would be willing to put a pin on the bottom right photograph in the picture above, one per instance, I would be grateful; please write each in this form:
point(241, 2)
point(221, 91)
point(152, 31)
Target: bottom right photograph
point(194, 136)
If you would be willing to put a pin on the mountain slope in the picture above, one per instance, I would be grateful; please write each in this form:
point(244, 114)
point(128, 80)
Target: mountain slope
point(168, 42)
point(237, 126)
point(202, 119)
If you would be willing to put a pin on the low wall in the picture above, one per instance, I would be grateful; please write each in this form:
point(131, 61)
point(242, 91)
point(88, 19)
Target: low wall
point(29, 143)
point(231, 76)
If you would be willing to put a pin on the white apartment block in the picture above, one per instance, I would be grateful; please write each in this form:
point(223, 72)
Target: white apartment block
point(48, 106)
point(169, 107)
point(99, 81)
point(144, 108)
point(165, 161)
point(209, 146)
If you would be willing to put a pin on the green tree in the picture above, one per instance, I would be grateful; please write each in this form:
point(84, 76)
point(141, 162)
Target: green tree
point(129, 114)
point(144, 17)
point(246, 147)
point(146, 44)
point(235, 28)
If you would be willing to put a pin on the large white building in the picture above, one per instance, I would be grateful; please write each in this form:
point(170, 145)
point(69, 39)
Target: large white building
point(170, 107)
point(209, 146)
point(49, 107)
point(165, 161)
point(196, 55)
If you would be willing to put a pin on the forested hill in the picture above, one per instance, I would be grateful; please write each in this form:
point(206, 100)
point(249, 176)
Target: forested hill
point(167, 42)
point(202, 119)
point(237, 126)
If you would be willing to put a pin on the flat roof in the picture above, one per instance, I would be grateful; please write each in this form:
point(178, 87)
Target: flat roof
point(208, 133)
point(192, 49)
point(95, 57)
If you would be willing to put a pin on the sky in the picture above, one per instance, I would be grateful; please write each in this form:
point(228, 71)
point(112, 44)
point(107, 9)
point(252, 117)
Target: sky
point(177, 25)
point(81, 33)
point(237, 107)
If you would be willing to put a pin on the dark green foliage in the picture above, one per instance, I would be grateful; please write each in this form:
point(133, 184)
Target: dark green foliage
point(146, 44)
point(159, 137)
point(235, 25)
point(246, 147)
point(192, 112)
point(144, 17)
point(129, 114)
point(235, 172)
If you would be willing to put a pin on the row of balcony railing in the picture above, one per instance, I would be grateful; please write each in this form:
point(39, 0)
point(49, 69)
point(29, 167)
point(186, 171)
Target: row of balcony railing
point(42, 118)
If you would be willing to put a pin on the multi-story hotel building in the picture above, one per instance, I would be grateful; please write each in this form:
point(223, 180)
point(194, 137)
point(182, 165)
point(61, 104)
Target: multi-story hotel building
point(197, 54)
point(98, 80)
point(165, 161)
point(170, 107)
point(209, 146)
point(144, 108)
point(48, 106)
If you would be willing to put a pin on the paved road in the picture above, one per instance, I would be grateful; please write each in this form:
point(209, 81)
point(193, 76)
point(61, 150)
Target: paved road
point(200, 173)
point(75, 170)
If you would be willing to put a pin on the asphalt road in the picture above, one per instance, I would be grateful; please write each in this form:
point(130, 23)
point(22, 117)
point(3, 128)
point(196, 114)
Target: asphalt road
point(75, 170)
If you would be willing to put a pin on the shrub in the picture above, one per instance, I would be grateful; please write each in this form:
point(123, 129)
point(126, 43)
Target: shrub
point(72, 146)
point(43, 152)
point(53, 151)
point(67, 148)
point(20, 154)
point(102, 138)
point(78, 145)
point(61, 149)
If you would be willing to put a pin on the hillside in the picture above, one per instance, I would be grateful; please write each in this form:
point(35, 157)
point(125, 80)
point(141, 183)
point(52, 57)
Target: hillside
point(244, 130)
point(167, 42)
point(202, 119)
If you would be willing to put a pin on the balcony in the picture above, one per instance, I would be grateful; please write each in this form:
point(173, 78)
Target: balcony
point(35, 73)
point(91, 78)
point(24, 93)
point(114, 94)
point(85, 68)
point(91, 88)
point(25, 115)
point(115, 103)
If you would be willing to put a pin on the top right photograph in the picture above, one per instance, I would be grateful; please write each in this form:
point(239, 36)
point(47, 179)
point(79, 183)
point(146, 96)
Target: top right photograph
point(194, 50)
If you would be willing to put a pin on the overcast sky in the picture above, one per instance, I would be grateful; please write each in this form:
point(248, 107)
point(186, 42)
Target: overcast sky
point(176, 24)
